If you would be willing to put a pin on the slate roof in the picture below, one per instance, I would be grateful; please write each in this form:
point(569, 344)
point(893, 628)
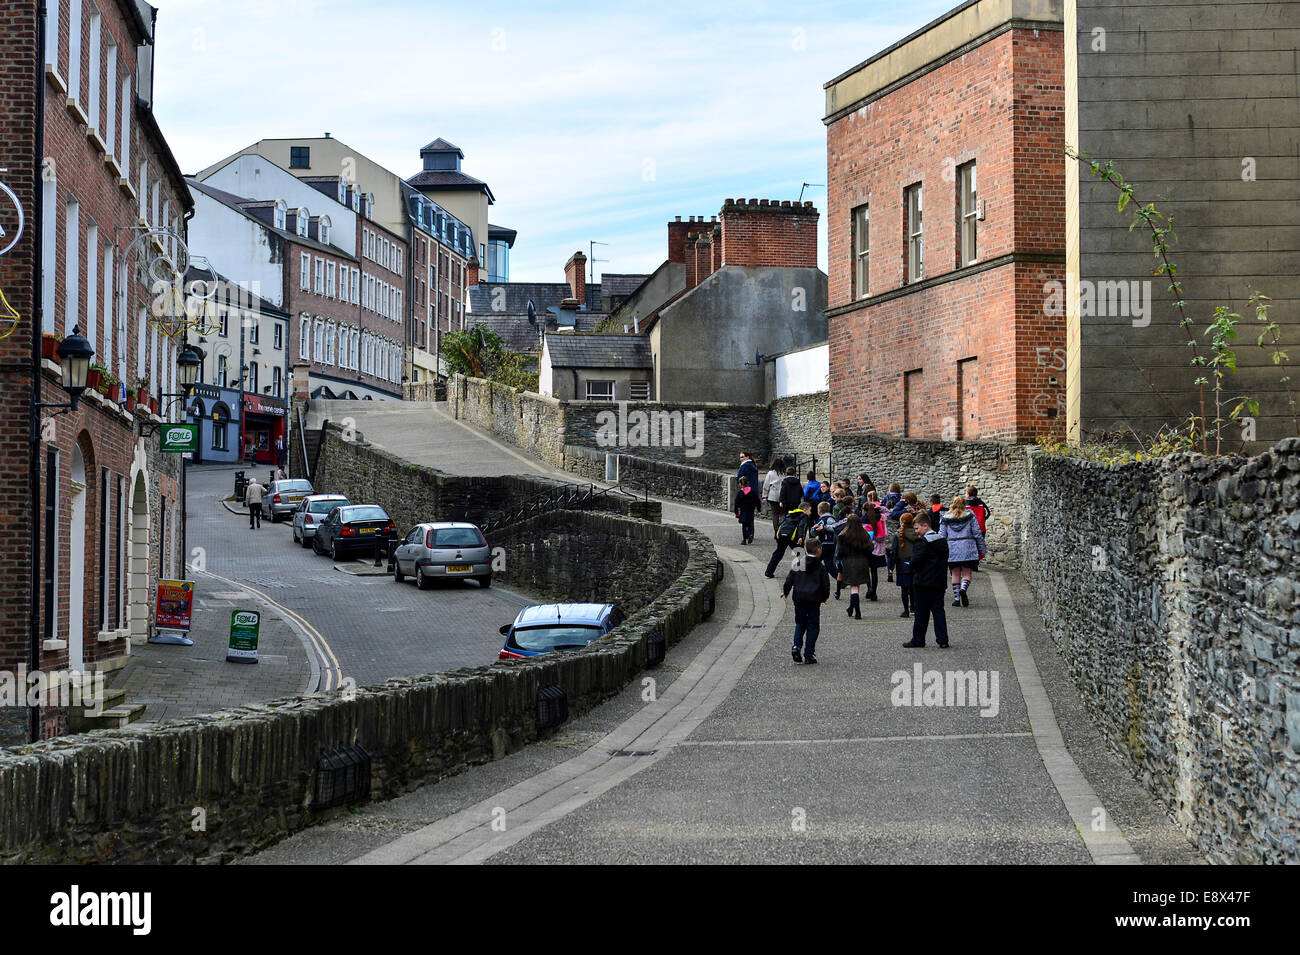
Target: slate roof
point(448, 179)
point(439, 145)
point(620, 284)
point(521, 336)
point(242, 205)
point(599, 351)
point(483, 297)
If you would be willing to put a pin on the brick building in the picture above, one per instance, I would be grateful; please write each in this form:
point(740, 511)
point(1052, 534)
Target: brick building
point(946, 224)
point(88, 164)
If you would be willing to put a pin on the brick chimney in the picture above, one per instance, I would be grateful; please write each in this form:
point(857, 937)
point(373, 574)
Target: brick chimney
point(575, 273)
point(471, 272)
point(677, 230)
point(762, 232)
point(715, 248)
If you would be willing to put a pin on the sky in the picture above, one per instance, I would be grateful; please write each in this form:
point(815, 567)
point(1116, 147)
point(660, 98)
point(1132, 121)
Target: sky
point(589, 121)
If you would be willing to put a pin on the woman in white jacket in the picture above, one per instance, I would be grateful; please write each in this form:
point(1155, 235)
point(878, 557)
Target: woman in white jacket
point(772, 492)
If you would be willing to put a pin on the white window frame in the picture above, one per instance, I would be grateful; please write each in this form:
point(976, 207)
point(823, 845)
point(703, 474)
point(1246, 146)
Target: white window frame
point(305, 271)
point(914, 226)
point(323, 227)
point(124, 151)
point(110, 96)
point(318, 285)
point(94, 42)
point(590, 392)
point(356, 287)
point(52, 33)
point(329, 279)
point(862, 250)
point(968, 200)
point(110, 266)
point(304, 220)
point(74, 50)
point(304, 338)
point(71, 262)
point(281, 217)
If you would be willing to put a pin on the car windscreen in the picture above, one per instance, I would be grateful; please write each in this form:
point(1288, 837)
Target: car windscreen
point(363, 513)
point(324, 507)
point(293, 485)
point(555, 638)
point(456, 537)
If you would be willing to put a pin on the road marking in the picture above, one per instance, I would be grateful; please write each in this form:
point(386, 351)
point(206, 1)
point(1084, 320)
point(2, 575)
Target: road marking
point(938, 737)
point(467, 836)
point(326, 672)
point(1107, 846)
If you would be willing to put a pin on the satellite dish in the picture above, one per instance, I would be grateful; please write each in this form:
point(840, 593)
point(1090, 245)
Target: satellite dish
point(532, 313)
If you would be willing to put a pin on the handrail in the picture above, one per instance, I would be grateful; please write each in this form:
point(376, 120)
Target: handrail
point(302, 444)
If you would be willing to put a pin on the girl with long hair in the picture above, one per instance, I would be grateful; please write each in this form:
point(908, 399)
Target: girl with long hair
point(965, 547)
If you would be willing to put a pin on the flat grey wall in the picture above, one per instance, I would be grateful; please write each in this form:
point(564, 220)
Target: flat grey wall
point(663, 284)
point(1171, 589)
point(1183, 97)
point(703, 341)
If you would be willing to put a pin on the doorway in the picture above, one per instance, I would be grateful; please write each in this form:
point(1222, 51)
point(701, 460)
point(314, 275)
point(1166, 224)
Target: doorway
point(77, 563)
point(138, 563)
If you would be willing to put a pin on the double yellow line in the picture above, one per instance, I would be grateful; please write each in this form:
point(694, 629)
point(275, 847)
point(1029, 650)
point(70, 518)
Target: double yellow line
point(331, 671)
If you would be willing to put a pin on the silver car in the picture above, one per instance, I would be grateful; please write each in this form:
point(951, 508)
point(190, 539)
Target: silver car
point(311, 511)
point(283, 497)
point(445, 550)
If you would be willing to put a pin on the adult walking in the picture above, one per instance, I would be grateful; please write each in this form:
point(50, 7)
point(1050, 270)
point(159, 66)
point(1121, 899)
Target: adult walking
point(748, 470)
point(853, 558)
point(929, 567)
point(901, 548)
point(965, 547)
point(253, 493)
point(772, 491)
point(745, 504)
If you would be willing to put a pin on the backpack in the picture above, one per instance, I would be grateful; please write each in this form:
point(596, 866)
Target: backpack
point(981, 514)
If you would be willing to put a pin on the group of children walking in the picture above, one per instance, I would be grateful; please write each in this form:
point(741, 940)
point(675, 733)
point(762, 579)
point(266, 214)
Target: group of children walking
point(850, 533)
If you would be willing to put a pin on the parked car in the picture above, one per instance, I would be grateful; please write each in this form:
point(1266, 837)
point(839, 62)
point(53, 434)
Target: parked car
point(311, 512)
point(543, 628)
point(353, 529)
point(446, 550)
point(283, 497)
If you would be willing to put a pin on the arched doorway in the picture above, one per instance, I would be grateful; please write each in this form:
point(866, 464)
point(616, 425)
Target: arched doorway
point(138, 563)
point(77, 562)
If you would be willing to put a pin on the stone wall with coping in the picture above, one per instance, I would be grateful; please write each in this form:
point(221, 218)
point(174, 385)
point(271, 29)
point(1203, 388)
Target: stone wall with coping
point(128, 795)
point(1171, 589)
point(639, 476)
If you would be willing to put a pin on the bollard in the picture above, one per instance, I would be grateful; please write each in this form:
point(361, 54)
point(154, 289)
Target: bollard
point(378, 544)
point(239, 485)
point(392, 551)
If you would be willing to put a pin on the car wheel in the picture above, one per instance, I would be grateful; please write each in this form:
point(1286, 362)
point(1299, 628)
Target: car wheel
point(485, 582)
point(422, 581)
point(305, 541)
point(315, 544)
point(334, 551)
point(397, 571)
point(294, 530)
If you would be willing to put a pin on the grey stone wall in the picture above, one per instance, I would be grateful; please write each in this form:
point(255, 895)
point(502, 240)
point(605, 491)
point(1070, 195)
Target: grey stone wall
point(543, 426)
point(128, 795)
point(1000, 471)
point(640, 476)
point(1170, 587)
point(800, 425)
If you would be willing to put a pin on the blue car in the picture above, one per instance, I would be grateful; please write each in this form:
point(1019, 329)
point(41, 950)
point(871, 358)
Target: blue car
point(543, 628)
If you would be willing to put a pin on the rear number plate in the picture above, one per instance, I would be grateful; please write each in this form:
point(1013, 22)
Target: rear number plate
point(458, 568)
point(365, 530)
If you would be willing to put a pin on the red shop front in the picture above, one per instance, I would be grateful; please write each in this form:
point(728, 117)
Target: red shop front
point(264, 429)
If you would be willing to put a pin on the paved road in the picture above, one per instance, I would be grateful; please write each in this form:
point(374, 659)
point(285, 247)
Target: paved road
point(751, 758)
point(366, 628)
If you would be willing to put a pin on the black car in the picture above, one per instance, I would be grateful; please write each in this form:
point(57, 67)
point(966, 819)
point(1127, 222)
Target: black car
point(355, 529)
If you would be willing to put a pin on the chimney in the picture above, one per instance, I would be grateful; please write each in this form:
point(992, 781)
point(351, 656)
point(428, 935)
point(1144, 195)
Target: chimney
point(575, 273)
point(688, 259)
point(677, 230)
point(715, 247)
point(699, 256)
point(769, 233)
point(471, 272)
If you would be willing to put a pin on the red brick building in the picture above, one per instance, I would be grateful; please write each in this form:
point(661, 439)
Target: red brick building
point(946, 222)
point(94, 511)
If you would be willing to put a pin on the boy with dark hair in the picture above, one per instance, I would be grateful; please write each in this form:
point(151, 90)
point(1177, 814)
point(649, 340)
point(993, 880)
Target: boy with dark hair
point(826, 529)
point(929, 580)
point(794, 528)
point(811, 587)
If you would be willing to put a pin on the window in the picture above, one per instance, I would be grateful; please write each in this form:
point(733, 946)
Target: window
point(276, 383)
point(221, 370)
point(252, 377)
point(222, 319)
point(356, 287)
point(320, 276)
point(600, 391)
point(385, 261)
point(304, 218)
point(304, 338)
point(397, 259)
point(254, 327)
point(125, 150)
point(329, 279)
point(861, 251)
point(109, 332)
point(397, 305)
point(318, 341)
point(640, 391)
point(281, 213)
point(968, 207)
point(343, 192)
point(913, 412)
point(219, 420)
point(144, 188)
point(356, 199)
point(74, 49)
point(71, 264)
point(913, 263)
point(324, 230)
point(52, 33)
point(279, 335)
point(370, 205)
point(305, 272)
point(49, 241)
point(299, 157)
point(92, 68)
point(110, 95)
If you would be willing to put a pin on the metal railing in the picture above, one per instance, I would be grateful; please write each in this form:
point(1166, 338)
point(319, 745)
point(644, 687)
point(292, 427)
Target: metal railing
point(802, 467)
point(302, 445)
point(564, 497)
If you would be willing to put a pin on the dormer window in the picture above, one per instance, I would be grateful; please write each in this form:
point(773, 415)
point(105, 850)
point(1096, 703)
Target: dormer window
point(304, 217)
point(281, 213)
point(370, 205)
point(324, 230)
point(356, 199)
point(343, 193)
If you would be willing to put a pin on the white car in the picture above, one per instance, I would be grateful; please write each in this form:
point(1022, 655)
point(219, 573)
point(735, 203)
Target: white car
point(311, 511)
point(443, 550)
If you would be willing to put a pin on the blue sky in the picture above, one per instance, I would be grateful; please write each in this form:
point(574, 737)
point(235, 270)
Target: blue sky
point(588, 120)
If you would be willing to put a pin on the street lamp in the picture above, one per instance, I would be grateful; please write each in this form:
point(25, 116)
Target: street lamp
point(187, 364)
point(74, 365)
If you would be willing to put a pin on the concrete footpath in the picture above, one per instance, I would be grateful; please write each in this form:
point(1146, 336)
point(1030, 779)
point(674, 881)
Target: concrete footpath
point(731, 752)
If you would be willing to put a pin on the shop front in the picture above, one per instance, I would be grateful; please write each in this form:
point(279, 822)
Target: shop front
point(216, 411)
point(264, 429)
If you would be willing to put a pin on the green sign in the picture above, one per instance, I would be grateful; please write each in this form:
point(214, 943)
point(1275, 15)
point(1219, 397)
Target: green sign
point(180, 438)
point(244, 626)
